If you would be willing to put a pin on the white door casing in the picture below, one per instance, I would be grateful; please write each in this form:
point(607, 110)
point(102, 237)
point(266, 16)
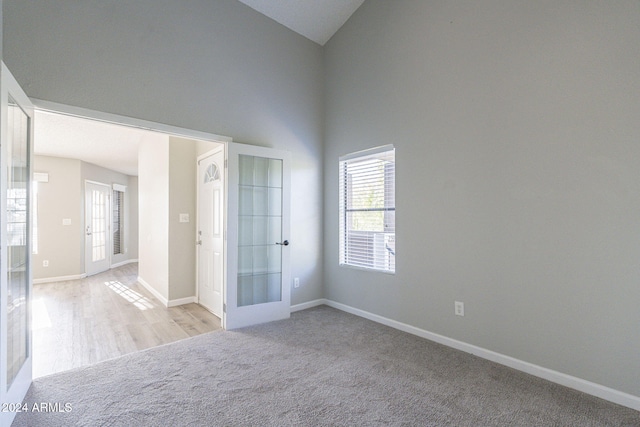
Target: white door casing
point(210, 230)
point(258, 250)
point(97, 224)
point(16, 148)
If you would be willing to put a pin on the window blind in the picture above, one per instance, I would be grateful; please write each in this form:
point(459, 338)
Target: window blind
point(367, 209)
point(118, 200)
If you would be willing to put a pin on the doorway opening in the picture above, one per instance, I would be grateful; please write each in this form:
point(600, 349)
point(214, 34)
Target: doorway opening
point(115, 206)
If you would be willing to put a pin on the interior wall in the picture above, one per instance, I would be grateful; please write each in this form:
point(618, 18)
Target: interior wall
point(153, 211)
point(131, 227)
point(63, 198)
point(518, 189)
point(215, 66)
point(60, 198)
point(182, 235)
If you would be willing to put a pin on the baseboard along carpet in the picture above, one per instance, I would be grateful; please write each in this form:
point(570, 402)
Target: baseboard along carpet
point(322, 367)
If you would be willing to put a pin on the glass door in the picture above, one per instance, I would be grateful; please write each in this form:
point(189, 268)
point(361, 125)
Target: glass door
point(258, 232)
point(16, 121)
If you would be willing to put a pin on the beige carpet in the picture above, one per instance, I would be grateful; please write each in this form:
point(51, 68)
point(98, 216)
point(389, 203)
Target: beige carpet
point(321, 367)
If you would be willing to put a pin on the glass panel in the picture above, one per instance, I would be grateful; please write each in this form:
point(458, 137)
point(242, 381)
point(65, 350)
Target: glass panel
point(274, 289)
point(260, 201)
point(246, 170)
point(260, 172)
point(245, 231)
point(245, 200)
point(17, 239)
point(212, 173)
point(275, 202)
point(99, 225)
point(260, 259)
point(275, 173)
point(259, 288)
point(259, 229)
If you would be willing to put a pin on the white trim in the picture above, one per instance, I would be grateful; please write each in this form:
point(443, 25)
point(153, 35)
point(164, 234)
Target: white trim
point(309, 304)
point(367, 152)
point(69, 110)
point(155, 293)
point(588, 387)
point(119, 187)
point(181, 301)
point(59, 278)
point(125, 262)
point(208, 154)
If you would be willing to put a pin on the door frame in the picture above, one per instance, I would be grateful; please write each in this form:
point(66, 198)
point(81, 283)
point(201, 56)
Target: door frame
point(22, 381)
point(201, 157)
point(109, 220)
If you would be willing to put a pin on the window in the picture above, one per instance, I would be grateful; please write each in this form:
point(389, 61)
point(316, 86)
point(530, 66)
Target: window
point(118, 202)
point(368, 209)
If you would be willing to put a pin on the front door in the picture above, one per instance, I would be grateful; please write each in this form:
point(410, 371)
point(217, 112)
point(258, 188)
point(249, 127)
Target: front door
point(16, 142)
point(258, 248)
point(211, 231)
point(97, 244)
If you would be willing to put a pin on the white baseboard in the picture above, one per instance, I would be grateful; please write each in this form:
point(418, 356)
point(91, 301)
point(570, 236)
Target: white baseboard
point(612, 395)
point(125, 262)
point(181, 301)
point(59, 278)
point(155, 293)
point(308, 304)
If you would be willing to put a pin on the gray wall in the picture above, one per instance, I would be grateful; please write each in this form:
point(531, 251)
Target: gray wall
point(63, 198)
point(215, 66)
point(516, 127)
point(132, 209)
point(153, 213)
point(60, 198)
point(182, 235)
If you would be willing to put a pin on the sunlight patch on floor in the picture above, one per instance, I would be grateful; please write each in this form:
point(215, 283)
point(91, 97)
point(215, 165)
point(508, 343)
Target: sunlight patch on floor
point(41, 319)
point(133, 297)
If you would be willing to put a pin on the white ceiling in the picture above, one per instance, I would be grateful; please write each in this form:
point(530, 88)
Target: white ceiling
point(317, 20)
point(104, 144)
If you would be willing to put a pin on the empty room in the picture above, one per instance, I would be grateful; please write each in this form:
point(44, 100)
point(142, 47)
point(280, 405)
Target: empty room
point(424, 213)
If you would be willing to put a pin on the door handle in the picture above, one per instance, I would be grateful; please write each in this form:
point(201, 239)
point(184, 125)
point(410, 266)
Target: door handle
point(285, 243)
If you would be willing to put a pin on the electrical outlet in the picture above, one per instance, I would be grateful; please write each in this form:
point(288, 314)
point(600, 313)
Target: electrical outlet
point(45, 263)
point(296, 282)
point(459, 308)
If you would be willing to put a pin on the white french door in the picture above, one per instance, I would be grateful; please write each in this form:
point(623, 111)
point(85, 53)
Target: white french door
point(97, 246)
point(258, 185)
point(16, 123)
point(211, 231)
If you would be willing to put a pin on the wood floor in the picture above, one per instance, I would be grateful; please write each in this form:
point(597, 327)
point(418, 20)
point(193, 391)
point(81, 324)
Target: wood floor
point(81, 322)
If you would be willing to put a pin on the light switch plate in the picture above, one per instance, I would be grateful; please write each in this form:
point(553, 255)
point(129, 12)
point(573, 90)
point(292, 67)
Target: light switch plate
point(184, 217)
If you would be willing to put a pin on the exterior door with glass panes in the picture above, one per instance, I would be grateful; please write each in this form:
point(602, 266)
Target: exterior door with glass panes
point(258, 245)
point(97, 244)
point(16, 142)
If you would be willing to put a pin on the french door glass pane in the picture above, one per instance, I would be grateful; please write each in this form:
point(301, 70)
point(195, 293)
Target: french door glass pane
point(99, 225)
point(259, 231)
point(17, 239)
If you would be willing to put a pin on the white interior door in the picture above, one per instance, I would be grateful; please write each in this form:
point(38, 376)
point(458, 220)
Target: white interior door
point(211, 231)
point(97, 244)
point(258, 248)
point(16, 142)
